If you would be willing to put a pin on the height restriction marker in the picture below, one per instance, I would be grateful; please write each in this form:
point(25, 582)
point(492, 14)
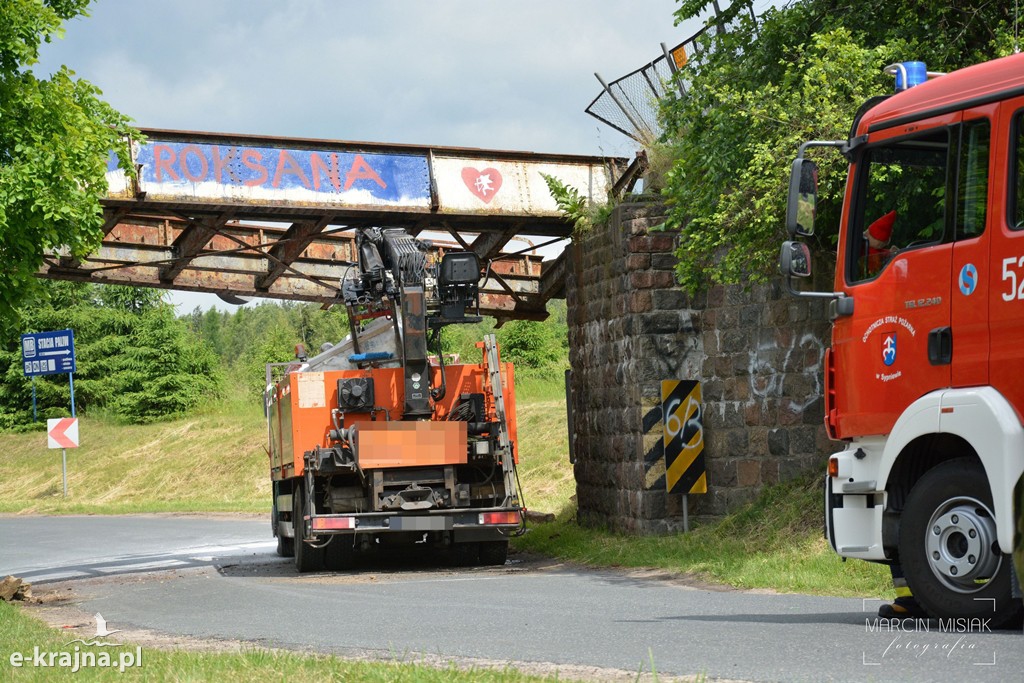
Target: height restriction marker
point(684, 437)
point(62, 432)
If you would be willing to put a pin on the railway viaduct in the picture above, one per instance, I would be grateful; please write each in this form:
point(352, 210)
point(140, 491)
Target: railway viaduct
point(250, 216)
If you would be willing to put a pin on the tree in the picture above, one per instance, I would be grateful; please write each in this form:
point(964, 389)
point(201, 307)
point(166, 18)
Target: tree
point(757, 91)
point(56, 139)
point(530, 344)
point(139, 363)
point(163, 370)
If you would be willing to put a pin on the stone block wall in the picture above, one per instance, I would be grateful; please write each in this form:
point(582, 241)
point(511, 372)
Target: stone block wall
point(758, 354)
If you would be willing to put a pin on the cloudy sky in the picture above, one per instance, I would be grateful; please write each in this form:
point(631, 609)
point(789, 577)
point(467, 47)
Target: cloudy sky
point(496, 75)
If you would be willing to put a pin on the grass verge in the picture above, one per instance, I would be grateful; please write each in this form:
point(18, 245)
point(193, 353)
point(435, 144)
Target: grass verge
point(20, 633)
point(773, 543)
point(212, 462)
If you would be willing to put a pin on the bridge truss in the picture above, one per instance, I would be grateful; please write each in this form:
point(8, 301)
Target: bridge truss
point(249, 216)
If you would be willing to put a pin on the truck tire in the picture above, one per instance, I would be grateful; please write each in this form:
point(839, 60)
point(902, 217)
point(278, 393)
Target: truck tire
point(493, 553)
point(307, 558)
point(948, 547)
point(341, 553)
point(285, 545)
point(465, 554)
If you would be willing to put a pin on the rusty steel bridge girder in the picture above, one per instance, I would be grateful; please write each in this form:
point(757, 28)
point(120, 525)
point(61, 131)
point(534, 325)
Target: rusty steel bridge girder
point(275, 217)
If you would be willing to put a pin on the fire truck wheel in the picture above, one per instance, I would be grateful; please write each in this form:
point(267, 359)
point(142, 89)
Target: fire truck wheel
point(948, 546)
point(307, 558)
point(493, 553)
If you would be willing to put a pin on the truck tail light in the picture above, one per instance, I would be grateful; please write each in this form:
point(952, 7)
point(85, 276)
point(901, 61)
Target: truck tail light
point(830, 394)
point(833, 466)
point(326, 523)
point(500, 517)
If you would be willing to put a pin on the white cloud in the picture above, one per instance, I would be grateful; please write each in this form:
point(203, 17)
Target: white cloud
point(451, 72)
point(494, 75)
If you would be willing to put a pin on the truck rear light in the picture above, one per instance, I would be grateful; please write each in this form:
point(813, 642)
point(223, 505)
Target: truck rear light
point(325, 523)
point(500, 517)
point(833, 466)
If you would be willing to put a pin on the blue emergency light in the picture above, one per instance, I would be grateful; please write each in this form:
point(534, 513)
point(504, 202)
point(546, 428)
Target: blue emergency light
point(908, 74)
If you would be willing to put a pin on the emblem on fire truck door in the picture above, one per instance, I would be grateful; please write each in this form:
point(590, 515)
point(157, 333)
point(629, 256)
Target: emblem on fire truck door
point(888, 348)
point(968, 279)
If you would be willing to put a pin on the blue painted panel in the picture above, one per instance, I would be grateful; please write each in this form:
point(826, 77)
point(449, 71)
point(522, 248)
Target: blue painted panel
point(48, 353)
point(232, 171)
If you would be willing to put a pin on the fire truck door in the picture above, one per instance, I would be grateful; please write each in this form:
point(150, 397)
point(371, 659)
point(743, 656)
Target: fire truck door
point(900, 278)
point(1005, 268)
point(966, 344)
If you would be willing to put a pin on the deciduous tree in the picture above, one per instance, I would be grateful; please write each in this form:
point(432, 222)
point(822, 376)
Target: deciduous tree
point(56, 137)
point(757, 91)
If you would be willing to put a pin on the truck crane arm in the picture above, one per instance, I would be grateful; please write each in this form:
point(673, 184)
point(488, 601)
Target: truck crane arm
point(395, 275)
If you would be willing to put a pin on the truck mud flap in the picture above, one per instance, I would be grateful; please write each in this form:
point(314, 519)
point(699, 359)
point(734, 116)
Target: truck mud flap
point(830, 500)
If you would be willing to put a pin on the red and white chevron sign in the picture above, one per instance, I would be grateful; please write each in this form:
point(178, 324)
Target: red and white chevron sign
point(62, 432)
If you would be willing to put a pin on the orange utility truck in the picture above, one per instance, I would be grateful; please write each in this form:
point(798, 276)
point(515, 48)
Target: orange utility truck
point(374, 442)
point(925, 378)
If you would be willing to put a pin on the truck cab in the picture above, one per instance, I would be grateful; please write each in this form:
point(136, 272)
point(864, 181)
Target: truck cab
point(925, 375)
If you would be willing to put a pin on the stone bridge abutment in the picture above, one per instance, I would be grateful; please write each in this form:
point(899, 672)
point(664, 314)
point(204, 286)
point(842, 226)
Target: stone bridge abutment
point(757, 352)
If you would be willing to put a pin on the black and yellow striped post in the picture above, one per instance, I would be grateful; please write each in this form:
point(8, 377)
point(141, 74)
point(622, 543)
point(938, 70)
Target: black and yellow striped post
point(683, 439)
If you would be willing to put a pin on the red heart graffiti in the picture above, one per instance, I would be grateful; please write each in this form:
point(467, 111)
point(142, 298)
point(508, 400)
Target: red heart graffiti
point(484, 184)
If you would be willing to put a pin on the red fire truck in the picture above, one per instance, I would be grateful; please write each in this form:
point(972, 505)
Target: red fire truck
point(925, 377)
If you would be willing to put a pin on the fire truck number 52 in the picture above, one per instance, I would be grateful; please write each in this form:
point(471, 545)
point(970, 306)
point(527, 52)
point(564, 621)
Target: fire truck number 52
point(1016, 289)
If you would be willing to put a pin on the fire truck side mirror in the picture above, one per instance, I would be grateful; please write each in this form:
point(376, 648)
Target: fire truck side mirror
point(795, 259)
point(803, 197)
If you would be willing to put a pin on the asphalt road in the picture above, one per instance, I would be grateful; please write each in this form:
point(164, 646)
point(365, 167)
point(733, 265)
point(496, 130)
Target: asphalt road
point(219, 578)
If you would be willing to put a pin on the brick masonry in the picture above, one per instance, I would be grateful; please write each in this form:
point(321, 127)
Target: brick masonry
point(758, 353)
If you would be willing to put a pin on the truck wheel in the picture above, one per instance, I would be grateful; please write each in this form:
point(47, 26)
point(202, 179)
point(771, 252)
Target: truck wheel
point(285, 546)
point(465, 554)
point(307, 558)
point(493, 553)
point(341, 553)
point(948, 546)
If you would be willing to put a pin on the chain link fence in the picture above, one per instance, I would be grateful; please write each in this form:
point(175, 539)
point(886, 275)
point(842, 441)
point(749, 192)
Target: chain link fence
point(630, 104)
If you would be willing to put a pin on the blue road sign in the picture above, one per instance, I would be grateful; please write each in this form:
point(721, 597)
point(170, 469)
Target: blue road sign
point(48, 353)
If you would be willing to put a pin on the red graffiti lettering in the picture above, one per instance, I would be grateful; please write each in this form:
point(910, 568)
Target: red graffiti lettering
point(186, 170)
point(222, 164)
point(318, 167)
point(361, 171)
point(286, 164)
point(252, 159)
point(163, 164)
